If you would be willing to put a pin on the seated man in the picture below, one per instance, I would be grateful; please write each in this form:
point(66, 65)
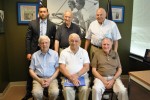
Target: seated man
point(107, 69)
point(74, 63)
point(44, 70)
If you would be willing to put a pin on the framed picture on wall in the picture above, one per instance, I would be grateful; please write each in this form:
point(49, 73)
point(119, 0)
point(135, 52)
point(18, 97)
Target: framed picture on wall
point(27, 12)
point(1, 21)
point(118, 13)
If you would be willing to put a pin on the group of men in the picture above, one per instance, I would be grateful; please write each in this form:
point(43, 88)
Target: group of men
point(50, 51)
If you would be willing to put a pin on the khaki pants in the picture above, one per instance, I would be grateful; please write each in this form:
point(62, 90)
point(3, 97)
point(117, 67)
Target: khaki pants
point(92, 51)
point(53, 90)
point(83, 91)
point(99, 88)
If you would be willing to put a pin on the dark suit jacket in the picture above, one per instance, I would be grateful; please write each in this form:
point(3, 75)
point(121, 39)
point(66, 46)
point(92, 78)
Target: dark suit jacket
point(33, 34)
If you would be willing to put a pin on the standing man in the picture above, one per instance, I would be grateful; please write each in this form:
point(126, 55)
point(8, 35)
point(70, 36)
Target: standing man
point(100, 29)
point(63, 32)
point(36, 28)
point(106, 68)
point(74, 63)
point(44, 70)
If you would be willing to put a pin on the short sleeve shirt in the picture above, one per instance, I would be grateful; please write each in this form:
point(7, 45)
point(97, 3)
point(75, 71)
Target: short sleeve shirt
point(74, 62)
point(97, 32)
point(106, 65)
point(44, 65)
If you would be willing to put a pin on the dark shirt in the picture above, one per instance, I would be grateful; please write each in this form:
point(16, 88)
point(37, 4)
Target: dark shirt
point(63, 32)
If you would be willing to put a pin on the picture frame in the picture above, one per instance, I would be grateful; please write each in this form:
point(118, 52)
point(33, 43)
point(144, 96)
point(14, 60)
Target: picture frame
point(118, 13)
point(1, 21)
point(27, 12)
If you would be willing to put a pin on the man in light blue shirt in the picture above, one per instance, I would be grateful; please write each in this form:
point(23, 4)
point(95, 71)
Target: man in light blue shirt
point(44, 70)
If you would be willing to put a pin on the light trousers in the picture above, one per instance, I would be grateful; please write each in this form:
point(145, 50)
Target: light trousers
point(53, 90)
point(118, 88)
point(83, 91)
point(92, 51)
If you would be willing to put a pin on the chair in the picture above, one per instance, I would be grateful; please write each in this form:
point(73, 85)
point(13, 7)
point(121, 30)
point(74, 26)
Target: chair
point(110, 92)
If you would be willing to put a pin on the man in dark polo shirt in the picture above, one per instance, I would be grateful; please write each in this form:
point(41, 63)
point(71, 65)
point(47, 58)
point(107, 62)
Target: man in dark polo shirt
point(63, 32)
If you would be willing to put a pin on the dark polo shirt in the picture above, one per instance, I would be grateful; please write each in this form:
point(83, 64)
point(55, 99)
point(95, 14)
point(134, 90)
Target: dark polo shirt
point(106, 65)
point(63, 32)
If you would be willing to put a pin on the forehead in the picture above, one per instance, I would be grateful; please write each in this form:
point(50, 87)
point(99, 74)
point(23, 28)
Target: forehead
point(42, 9)
point(43, 40)
point(74, 38)
point(67, 14)
point(100, 11)
point(106, 41)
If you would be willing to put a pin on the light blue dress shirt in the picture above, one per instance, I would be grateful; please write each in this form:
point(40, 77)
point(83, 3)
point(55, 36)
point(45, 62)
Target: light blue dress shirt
point(44, 65)
point(43, 27)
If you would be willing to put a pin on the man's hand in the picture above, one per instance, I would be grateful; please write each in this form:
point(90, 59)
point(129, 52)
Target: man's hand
point(110, 84)
point(105, 82)
point(29, 56)
point(47, 82)
point(43, 82)
point(74, 79)
point(74, 76)
point(76, 82)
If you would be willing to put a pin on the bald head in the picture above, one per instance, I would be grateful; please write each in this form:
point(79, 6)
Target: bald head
point(68, 16)
point(100, 15)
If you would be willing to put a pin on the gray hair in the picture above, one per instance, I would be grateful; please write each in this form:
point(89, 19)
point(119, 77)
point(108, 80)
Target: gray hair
point(69, 12)
point(74, 35)
point(106, 38)
point(43, 37)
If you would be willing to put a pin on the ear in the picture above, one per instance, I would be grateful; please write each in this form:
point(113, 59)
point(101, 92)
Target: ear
point(39, 45)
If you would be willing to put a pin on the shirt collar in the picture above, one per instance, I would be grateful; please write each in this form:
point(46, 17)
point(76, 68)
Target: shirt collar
point(110, 53)
point(69, 50)
point(48, 52)
point(44, 21)
point(66, 26)
point(103, 23)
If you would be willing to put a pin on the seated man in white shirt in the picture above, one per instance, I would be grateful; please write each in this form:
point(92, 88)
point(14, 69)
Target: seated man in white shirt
point(44, 70)
point(74, 63)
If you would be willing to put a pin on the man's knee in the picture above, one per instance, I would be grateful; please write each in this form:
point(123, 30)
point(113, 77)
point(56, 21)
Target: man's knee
point(37, 93)
point(97, 89)
point(85, 88)
point(54, 92)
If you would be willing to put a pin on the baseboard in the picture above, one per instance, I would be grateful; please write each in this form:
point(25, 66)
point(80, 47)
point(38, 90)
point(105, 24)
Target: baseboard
point(20, 83)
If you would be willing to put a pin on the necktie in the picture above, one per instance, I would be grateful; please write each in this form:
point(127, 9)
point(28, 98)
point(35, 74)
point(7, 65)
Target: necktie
point(41, 28)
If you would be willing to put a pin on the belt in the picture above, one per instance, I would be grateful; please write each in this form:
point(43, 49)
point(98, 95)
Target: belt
point(97, 46)
point(42, 76)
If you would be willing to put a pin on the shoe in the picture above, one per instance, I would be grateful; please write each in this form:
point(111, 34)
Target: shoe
point(27, 96)
point(106, 96)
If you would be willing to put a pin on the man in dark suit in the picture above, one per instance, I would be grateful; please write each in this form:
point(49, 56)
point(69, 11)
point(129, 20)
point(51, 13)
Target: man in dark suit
point(36, 28)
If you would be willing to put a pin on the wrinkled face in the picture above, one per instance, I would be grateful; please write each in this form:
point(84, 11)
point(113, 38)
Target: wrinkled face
point(68, 18)
point(100, 15)
point(106, 45)
point(44, 45)
point(43, 13)
point(74, 42)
